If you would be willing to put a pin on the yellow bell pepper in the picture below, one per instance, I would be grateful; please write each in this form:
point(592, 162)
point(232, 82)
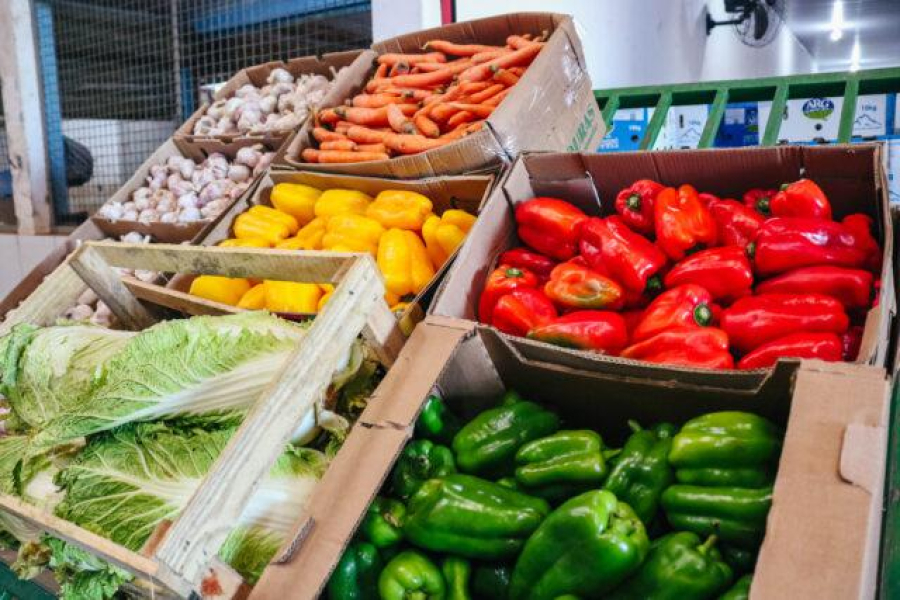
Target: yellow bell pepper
point(390, 298)
point(244, 243)
point(460, 218)
point(404, 262)
point(429, 234)
point(296, 199)
point(308, 238)
point(341, 202)
point(292, 297)
point(352, 233)
point(327, 288)
point(450, 237)
point(251, 226)
point(220, 289)
point(400, 209)
point(267, 212)
point(323, 301)
point(254, 298)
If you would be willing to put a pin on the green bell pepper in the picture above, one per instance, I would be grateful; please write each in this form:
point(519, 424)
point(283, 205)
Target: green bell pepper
point(491, 581)
point(487, 444)
point(436, 422)
point(680, 566)
point(586, 547)
point(726, 449)
point(736, 515)
point(739, 559)
point(740, 590)
point(471, 517)
point(383, 523)
point(356, 574)
point(561, 465)
point(510, 482)
point(457, 572)
point(420, 461)
point(411, 576)
point(641, 471)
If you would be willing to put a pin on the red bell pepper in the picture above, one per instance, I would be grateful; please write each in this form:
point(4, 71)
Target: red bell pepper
point(754, 320)
point(635, 205)
point(677, 308)
point(524, 258)
point(693, 346)
point(759, 200)
point(575, 286)
point(521, 310)
point(851, 287)
point(861, 226)
point(550, 226)
point(736, 225)
point(725, 272)
point(632, 320)
point(500, 282)
point(609, 246)
point(786, 243)
point(706, 198)
point(851, 341)
point(683, 223)
point(823, 346)
point(802, 198)
point(597, 330)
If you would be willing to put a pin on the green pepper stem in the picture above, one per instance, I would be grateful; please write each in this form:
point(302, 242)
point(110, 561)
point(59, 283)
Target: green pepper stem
point(634, 202)
point(708, 544)
point(634, 425)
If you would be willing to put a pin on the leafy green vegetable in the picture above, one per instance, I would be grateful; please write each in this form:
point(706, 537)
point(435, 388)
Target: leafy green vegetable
point(83, 576)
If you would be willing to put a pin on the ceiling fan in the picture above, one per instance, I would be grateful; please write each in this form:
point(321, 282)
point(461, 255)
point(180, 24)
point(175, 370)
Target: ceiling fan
point(756, 22)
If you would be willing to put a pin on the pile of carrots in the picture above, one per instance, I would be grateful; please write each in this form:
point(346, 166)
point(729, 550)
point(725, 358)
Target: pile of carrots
point(416, 102)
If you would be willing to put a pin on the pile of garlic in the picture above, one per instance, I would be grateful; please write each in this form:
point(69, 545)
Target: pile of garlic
point(281, 105)
point(181, 191)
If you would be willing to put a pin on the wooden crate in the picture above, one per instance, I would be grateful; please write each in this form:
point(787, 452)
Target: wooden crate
point(181, 556)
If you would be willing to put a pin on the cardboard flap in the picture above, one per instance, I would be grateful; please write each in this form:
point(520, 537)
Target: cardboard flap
point(860, 444)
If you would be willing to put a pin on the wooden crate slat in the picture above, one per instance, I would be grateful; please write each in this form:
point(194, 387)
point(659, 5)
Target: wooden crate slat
point(177, 300)
point(107, 284)
point(59, 291)
point(198, 533)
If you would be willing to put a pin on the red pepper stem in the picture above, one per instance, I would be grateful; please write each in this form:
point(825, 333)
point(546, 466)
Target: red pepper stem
point(751, 250)
point(702, 314)
point(785, 186)
point(762, 205)
point(708, 544)
point(654, 284)
point(513, 272)
point(634, 202)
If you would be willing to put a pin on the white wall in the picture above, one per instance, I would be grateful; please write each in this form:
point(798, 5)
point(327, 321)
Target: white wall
point(395, 17)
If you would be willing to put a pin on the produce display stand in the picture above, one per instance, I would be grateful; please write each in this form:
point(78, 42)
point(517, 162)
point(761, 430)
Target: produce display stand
point(181, 555)
point(718, 94)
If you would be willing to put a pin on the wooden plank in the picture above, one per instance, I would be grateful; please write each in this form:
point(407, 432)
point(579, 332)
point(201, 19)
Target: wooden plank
point(205, 522)
point(107, 284)
point(59, 291)
point(177, 300)
point(382, 332)
point(261, 263)
point(26, 138)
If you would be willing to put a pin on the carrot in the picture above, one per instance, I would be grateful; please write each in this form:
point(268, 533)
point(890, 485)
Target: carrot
point(381, 72)
point(372, 148)
point(323, 135)
point(411, 144)
point(517, 42)
point(517, 58)
point(471, 87)
point(482, 57)
point(421, 80)
point(409, 93)
point(517, 71)
point(376, 117)
point(459, 118)
point(398, 120)
point(310, 155)
point(328, 115)
point(425, 125)
point(411, 59)
point(479, 110)
point(428, 67)
point(483, 95)
point(346, 145)
point(400, 68)
point(506, 77)
point(337, 156)
point(458, 49)
point(497, 98)
point(374, 100)
point(462, 130)
point(365, 135)
point(442, 112)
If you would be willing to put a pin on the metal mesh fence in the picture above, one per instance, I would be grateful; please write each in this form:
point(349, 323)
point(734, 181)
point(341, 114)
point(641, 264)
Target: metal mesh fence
point(119, 76)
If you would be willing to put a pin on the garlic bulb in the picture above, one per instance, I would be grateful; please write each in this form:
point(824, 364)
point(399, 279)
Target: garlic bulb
point(148, 215)
point(218, 164)
point(164, 206)
point(216, 110)
point(145, 276)
point(188, 215)
point(112, 211)
point(141, 192)
point(201, 177)
point(79, 312)
point(142, 203)
point(205, 125)
point(188, 201)
point(130, 215)
point(215, 190)
point(129, 206)
point(88, 296)
point(102, 315)
point(248, 89)
point(133, 237)
point(238, 173)
point(231, 106)
point(264, 161)
point(248, 156)
point(280, 75)
point(186, 168)
point(281, 89)
point(169, 217)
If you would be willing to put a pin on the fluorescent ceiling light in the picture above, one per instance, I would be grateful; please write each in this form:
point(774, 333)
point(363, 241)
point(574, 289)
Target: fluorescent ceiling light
point(837, 21)
point(855, 56)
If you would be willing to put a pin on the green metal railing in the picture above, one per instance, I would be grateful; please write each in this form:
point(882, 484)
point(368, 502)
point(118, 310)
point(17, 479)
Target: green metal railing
point(777, 90)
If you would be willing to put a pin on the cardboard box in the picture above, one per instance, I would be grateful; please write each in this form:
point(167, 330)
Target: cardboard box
point(467, 192)
point(823, 530)
point(851, 175)
point(328, 65)
point(170, 232)
point(551, 108)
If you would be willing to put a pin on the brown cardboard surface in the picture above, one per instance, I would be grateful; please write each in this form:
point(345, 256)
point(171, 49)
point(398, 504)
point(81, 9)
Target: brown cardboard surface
point(169, 232)
point(851, 175)
point(823, 530)
point(468, 192)
point(327, 65)
point(551, 108)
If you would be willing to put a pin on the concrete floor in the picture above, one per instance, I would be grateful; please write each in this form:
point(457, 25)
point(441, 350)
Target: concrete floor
point(20, 253)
